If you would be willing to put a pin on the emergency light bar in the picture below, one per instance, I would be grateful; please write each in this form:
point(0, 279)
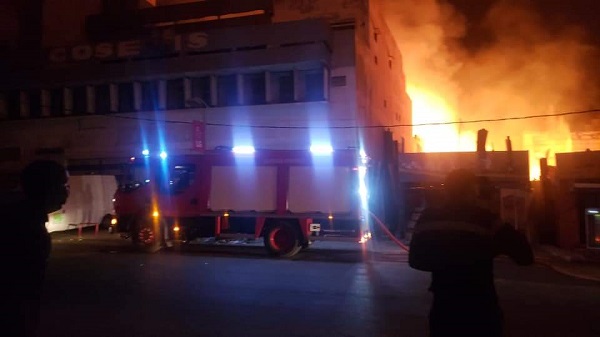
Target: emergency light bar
point(321, 149)
point(243, 149)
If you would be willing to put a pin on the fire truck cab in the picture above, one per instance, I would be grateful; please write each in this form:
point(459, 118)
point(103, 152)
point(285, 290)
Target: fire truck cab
point(289, 197)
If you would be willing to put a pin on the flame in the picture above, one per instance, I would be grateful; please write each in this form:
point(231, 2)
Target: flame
point(556, 139)
point(430, 107)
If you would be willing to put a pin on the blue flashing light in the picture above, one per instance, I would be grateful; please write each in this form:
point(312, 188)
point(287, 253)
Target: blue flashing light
point(321, 149)
point(592, 211)
point(163, 155)
point(146, 152)
point(243, 149)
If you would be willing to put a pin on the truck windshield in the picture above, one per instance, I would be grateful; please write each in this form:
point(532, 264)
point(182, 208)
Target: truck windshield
point(176, 179)
point(136, 176)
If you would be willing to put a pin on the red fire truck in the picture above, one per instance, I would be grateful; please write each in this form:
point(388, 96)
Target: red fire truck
point(289, 197)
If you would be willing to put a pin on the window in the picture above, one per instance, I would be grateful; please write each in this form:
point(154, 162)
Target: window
point(282, 86)
point(338, 81)
point(314, 88)
point(14, 104)
point(201, 89)
point(175, 94)
point(177, 180)
point(79, 100)
point(149, 95)
point(126, 97)
point(57, 102)
point(135, 176)
point(227, 92)
point(102, 101)
point(254, 89)
point(35, 103)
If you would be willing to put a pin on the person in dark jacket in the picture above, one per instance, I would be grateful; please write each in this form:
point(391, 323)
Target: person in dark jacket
point(457, 242)
point(26, 244)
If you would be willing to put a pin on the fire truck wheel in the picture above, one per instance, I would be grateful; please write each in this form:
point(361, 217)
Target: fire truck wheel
point(146, 236)
point(282, 239)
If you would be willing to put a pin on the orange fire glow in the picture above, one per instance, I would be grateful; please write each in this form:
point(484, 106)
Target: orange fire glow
point(429, 107)
point(524, 70)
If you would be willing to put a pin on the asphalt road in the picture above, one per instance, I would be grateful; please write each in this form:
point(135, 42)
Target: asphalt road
point(104, 288)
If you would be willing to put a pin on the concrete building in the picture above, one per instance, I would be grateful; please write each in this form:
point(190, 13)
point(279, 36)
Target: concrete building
point(97, 81)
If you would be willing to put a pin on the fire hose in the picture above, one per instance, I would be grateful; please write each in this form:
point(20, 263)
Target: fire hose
point(388, 233)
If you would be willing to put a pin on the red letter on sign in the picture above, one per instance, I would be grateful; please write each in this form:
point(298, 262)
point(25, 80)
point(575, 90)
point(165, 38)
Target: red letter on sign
point(198, 136)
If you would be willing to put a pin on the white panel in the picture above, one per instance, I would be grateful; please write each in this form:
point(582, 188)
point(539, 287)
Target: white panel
point(321, 188)
point(90, 198)
point(243, 188)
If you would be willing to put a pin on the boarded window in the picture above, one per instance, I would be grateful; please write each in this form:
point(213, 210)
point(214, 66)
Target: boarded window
point(35, 103)
point(57, 102)
point(175, 94)
point(14, 104)
point(254, 89)
point(126, 97)
point(314, 89)
point(149, 95)
point(227, 92)
point(79, 100)
point(102, 100)
point(201, 90)
point(282, 86)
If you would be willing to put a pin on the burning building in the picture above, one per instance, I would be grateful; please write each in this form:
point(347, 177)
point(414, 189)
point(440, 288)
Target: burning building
point(502, 66)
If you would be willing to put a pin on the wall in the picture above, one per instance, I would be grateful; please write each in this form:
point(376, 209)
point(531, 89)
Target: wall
point(577, 188)
point(64, 21)
point(381, 92)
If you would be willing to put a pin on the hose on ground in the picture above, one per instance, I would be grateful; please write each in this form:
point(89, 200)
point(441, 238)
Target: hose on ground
point(388, 233)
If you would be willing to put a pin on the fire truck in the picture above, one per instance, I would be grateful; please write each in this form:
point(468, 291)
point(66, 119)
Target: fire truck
point(290, 198)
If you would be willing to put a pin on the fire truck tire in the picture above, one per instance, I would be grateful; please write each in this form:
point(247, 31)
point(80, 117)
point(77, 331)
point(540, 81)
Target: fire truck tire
point(145, 236)
point(282, 239)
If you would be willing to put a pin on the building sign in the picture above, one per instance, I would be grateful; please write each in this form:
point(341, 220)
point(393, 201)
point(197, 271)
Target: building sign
point(167, 43)
point(199, 136)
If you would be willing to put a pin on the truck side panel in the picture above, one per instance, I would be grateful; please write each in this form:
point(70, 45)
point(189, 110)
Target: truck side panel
point(89, 200)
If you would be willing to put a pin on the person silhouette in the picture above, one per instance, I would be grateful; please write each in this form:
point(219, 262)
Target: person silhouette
point(26, 244)
point(457, 242)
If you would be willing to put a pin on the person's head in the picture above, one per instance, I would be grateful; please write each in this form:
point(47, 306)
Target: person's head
point(461, 187)
point(45, 182)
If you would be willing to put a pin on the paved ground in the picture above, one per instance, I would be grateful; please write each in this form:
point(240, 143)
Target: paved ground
point(99, 286)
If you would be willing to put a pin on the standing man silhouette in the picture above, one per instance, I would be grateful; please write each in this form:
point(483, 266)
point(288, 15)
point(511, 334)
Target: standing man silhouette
point(26, 244)
point(457, 242)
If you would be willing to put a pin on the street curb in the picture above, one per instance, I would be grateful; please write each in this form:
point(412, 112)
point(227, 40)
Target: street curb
point(567, 272)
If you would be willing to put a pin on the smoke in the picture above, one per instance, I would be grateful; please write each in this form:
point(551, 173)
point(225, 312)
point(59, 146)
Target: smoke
point(520, 66)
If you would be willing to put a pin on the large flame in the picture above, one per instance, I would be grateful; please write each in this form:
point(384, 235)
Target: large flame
point(521, 68)
point(436, 131)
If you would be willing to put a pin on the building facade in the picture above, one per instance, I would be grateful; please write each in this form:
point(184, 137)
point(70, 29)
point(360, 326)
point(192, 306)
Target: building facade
point(574, 200)
point(99, 81)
